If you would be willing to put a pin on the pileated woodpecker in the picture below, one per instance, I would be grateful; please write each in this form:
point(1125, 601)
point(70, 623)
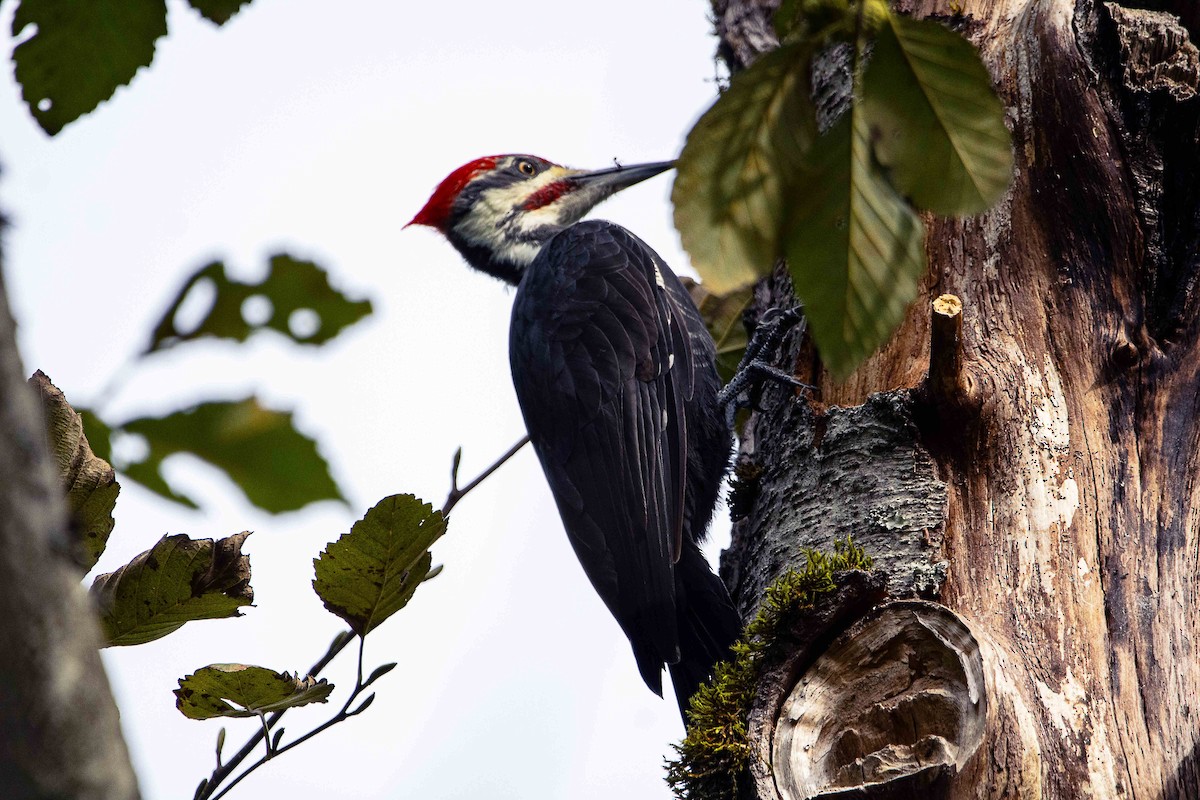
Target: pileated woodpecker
point(616, 378)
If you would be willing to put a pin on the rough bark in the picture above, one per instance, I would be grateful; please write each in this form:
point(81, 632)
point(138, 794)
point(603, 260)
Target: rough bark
point(1041, 455)
point(59, 729)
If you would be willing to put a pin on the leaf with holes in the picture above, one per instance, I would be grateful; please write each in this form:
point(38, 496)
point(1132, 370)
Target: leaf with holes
point(854, 248)
point(218, 11)
point(277, 467)
point(296, 297)
point(81, 52)
point(722, 315)
point(175, 582)
point(936, 124)
point(735, 172)
point(241, 690)
point(371, 572)
point(89, 481)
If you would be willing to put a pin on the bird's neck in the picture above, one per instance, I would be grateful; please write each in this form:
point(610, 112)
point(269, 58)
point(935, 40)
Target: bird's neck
point(503, 252)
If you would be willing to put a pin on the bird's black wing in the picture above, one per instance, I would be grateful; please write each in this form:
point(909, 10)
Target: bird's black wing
point(603, 369)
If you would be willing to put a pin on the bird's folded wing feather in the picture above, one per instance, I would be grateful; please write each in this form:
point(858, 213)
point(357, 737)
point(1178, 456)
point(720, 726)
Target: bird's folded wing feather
point(603, 367)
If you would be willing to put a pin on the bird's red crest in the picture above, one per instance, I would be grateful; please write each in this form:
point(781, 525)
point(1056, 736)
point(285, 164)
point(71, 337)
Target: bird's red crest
point(436, 212)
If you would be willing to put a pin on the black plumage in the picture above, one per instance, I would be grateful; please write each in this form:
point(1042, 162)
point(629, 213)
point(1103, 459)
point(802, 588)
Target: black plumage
point(616, 378)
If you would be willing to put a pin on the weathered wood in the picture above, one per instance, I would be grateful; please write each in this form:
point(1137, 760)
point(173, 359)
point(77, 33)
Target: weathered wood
point(60, 735)
point(1064, 506)
point(895, 706)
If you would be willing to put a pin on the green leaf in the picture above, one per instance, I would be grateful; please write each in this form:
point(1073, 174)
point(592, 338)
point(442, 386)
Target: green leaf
point(239, 690)
point(81, 53)
point(176, 581)
point(89, 481)
point(277, 467)
point(371, 572)
point(218, 11)
point(98, 433)
point(854, 248)
point(735, 171)
point(291, 291)
point(722, 315)
point(935, 121)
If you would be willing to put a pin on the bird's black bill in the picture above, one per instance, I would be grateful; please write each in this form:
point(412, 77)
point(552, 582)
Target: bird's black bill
point(614, 179)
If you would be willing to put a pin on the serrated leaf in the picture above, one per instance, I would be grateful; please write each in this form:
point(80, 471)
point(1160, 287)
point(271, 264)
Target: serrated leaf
point(81, 52)
point(734, 173)
point(175, 582)
point(89, 481)
point(855, 249)
point(935, 121)
point(371, 572)
point(218, 11)
point(240, 690)
point(291, 287)
point(277, 467)
point(723, 316)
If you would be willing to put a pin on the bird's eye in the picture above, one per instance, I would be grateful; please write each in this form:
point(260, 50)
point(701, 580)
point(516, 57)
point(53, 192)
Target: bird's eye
point(526, 168)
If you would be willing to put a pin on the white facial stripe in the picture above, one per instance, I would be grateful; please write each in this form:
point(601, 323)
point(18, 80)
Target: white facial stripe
point(492, 224)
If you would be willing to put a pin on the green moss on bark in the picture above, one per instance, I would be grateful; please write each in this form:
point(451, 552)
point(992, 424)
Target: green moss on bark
point(711, 762)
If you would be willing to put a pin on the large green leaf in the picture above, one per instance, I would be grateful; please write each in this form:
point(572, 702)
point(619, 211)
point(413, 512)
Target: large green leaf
point(291, 289)
point(240, 690)
point(935, 121)
point(90, 483)
point(218, 11)
point(371, 572)
point(854, 248)
point(176, 581)
point(277, 467)
point(81, 52)
point(734, 173)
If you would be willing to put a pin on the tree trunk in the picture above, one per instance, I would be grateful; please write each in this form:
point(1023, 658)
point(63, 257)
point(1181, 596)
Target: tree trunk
point(1027, 466)
point(59, 729)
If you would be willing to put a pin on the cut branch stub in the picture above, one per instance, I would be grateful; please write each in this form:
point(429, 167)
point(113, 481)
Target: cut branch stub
point(948, 384)
point(893, 708)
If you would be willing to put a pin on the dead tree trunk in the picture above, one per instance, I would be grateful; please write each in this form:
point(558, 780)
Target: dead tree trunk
point(60, 734)
point(1027, 468)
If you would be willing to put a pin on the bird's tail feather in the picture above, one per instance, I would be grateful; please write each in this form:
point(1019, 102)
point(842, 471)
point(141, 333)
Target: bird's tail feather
point(708, 624)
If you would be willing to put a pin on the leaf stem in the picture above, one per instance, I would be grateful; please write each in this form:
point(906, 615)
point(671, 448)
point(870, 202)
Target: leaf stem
point(266, 731)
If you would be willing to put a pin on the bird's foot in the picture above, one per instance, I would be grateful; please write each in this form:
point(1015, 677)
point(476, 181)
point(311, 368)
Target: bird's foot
point(743, 389)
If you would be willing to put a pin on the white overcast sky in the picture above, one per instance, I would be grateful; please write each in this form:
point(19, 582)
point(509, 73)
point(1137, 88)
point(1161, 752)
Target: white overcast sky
point(320, 128)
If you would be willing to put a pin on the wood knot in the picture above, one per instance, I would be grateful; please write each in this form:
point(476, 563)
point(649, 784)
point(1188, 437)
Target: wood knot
point(1125, 354)
point(896, 703)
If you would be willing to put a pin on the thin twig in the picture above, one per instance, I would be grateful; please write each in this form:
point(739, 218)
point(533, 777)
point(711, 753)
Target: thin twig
point(342, 715)
point(225, 770)
point(338, 644)
point(457, 494)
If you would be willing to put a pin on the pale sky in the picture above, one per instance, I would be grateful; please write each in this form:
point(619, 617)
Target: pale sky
point(317, 131)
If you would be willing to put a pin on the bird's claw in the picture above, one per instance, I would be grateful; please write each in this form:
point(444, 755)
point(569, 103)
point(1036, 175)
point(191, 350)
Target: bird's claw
point(772, 326)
